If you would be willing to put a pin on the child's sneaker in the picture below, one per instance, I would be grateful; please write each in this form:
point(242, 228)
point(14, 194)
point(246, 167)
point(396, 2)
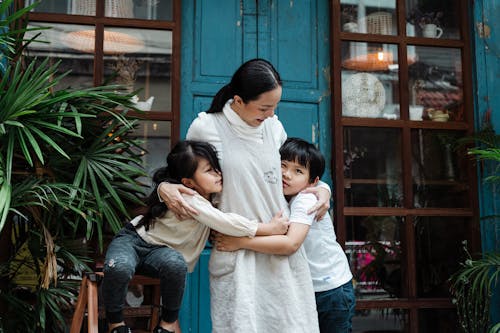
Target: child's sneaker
point(121, 329)
point(159, 329)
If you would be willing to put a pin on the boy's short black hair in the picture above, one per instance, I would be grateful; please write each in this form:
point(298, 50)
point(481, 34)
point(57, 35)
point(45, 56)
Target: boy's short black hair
point(306, 154)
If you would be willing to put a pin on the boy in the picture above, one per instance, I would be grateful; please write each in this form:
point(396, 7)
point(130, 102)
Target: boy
point(301, 166)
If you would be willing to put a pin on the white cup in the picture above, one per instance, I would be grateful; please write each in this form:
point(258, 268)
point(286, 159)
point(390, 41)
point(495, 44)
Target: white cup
point(350, 27)
point(416, 112)
point(432, 31)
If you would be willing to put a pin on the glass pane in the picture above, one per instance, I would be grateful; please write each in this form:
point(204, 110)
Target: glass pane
point(438, 320)
point(435, 84)
point(61, 43)
point(139, 9)
point(141, 59)
point(156, 136)
point(380, 320)
point(372, 167)
point(439, 249)
point(373, 248)
point(433, 19)
point(369, 17)
point(370, 83)
point(53, 6)
point(439, 170)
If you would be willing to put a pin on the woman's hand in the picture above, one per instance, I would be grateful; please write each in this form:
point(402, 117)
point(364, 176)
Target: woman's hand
point(279, 224)
point(226, 243)
point(171, 196)
point(321, 207)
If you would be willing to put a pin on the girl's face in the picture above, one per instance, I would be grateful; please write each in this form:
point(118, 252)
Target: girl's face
point(206, 180)
point(255, 112)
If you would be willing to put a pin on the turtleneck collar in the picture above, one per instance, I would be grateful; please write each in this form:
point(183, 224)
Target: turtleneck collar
point(240, 126)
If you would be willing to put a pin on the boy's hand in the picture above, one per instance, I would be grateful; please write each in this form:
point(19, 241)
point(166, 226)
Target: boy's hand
point(226, 243)
point(279, 224)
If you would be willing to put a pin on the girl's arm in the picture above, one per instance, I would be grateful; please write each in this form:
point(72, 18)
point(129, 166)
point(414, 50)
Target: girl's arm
point(277, 244)
point(234, 224)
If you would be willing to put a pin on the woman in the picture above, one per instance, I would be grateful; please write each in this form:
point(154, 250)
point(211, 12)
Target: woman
point(250, 291)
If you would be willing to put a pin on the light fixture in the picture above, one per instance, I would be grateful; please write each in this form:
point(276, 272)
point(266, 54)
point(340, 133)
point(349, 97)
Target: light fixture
point(114, 42)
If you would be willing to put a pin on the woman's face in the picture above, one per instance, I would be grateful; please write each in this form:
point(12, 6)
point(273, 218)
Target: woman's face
point(255, 112)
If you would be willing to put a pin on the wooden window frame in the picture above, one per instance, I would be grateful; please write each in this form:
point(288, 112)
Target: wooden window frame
point(412, 303)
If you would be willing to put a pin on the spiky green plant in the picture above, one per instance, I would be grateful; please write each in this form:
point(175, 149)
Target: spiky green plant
point(68, 170)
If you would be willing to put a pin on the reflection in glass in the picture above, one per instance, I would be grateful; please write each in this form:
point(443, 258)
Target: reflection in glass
point(373, 248)
point(144, 65)
point(438, 320)
point(439, 249)
point(370, 83)
point(372, 167)
point(435, 84)
point(375, 18)
point(433, 19)
point(438, 169)
point(380, 320)
point(156, 136)
point(137, 9)
point(58, 44)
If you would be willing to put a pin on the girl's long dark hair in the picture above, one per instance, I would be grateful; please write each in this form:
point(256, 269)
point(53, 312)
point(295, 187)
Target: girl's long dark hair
point(182, 162)
point(253, 78)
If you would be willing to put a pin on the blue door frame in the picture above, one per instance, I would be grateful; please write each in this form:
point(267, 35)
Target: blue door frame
point(217, 37)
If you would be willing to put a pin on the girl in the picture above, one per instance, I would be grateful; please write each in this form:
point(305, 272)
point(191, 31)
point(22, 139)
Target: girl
point(252, 292)
point(158, 244)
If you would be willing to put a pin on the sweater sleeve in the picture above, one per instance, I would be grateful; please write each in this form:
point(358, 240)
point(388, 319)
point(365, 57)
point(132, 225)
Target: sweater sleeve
point(227, 223)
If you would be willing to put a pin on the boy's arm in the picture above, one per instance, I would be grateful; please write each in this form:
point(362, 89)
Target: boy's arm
point(277, 244)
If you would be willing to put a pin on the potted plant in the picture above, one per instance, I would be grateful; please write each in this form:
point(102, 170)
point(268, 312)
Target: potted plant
point(473, 284)
point(429, 23)
point(68, 170)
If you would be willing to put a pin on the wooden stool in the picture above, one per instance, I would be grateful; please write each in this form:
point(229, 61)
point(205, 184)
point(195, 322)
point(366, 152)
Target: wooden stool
point(88, 302)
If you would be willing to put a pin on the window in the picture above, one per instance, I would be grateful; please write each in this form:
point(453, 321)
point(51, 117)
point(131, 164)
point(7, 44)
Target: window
point(405, 193)
point(129, 42)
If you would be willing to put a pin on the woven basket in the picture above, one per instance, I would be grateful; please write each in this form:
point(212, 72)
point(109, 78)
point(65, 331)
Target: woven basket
point(113, 8)
point(379, 23)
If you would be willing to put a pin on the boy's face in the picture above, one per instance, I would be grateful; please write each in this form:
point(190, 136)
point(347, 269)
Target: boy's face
point(295, 177)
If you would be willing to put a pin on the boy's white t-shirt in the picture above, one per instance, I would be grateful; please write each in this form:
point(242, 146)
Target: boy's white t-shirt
point(327, 261)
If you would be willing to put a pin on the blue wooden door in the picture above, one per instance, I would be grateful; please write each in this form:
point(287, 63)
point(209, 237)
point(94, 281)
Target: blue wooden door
point(217, 37)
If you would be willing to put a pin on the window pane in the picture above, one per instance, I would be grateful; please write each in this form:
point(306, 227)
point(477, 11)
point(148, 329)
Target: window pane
point(139, 9)
point(141, 59)
point(433, 19)
point(63, 42)
point(370, 83)
point(156, 141)
point(439, 249)
point(439, 170)
point(372, 167)
point(435, 84)
point(369, 17)
point(373, 247)
point(438, 320)
point(380, 320)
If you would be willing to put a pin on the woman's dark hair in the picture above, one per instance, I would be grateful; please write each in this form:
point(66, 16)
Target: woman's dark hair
point(182, 162)
point(253, 78)
point(306, 154)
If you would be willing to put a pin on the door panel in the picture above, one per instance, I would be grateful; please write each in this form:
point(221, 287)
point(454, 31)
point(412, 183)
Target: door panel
point(217, 36)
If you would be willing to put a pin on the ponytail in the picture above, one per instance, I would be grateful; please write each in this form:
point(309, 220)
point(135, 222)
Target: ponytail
point(220, 99)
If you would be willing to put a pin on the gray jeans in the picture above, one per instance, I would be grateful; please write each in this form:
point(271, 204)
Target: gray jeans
point(128, 254)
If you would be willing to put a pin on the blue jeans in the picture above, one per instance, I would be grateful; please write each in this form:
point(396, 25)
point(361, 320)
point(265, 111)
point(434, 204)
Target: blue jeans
point(336, 309)
point(127, 254)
